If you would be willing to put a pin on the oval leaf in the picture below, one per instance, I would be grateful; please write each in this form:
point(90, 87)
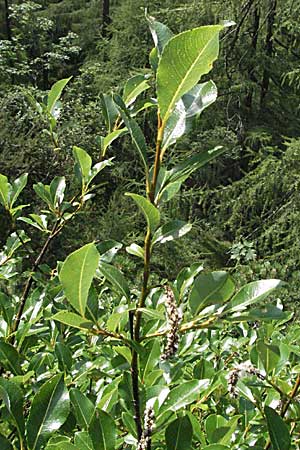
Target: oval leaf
point(185, 58)
point(150, 212)
point(183, 395)
point(49, 410)
point(278, 430)
point(76, 275)
point(103, 431)
point(252, 293)
point(179, 434)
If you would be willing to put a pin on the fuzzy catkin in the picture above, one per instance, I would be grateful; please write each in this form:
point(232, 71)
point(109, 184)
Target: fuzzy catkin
point(238, 372)
point(148, 428)
point(173, 318)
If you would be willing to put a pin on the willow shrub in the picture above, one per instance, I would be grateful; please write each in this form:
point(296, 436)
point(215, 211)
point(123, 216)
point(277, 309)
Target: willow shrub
point(90, 361)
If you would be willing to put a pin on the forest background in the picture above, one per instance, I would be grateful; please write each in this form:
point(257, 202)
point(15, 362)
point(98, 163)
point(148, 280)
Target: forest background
point(244, 206)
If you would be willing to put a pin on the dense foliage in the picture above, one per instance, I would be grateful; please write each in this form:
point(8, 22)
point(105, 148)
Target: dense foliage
point(115, 333)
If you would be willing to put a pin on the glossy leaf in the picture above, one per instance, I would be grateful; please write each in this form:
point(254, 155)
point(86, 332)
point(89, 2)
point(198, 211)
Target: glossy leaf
point(57, 189)
point(175, 126)
point(185, 59)
point(83, 160)
point(115, 277)
point(83, 408)
point(73, 320)
point(210, 289)
point(77, 273)
point(83, 441)
point(10, 358)
point(183, 395)
point(55, 93)
point(161, 34)
point(150, 212)
point(108, 250)
point(134, 87)
point(199, 97)
point(64, 356)
point(252, 293)
point(136, 250)
point(110, 138)
point(103, 431)
point(16, 188)
point(49, 410)
point(170, 231)
point(268, 354)
point(109, 111)
point(12, 397)
point(278, 430)
point(4, 190)
point(179, 434)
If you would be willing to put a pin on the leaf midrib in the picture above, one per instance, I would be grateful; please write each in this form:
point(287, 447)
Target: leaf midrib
point(173, 101)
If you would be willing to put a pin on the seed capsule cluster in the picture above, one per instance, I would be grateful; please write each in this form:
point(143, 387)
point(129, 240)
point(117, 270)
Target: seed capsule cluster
point(241, 371)
point(173, 318)
point(148, 428)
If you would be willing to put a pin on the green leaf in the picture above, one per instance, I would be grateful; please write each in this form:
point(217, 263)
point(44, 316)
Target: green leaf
point(179, 434)
point(278, 430)
point(135, 131)
point(77, 273)
point(136, 250)
point(183, 170)
point(134, 87)
point(216, 447)
point(12, 396)
point(176, 176)
point(210, 289)
point(10, 358)
point(199, 97)
point(175, 126)
point(73, 320)
point(111, 137)
point(109, 111)
point(116, 278)
point(184, 394)
point(17, 187)
point(108, 250)
point(150, 212)
point(57, 189)
point(55, 94)
point(252, 293)
point(4, 190)
point(170, 231)
point(83, 408)
point(5, 444)
point(161, 34)
point(103, 431)
point(43, 191)
point(83, 441)
point(268, 354)
point(83, 160)
point(64, 356)
point(185, 58)
point(49, 410)
point(97, 168)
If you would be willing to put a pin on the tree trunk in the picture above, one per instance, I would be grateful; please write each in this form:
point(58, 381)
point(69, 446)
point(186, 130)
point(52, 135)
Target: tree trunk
point(105, 18)
point(7, 20)
point(268, 51)
point(251, 70)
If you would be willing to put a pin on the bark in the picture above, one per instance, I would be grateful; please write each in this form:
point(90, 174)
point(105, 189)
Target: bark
point(251, 70)
point(7, 20)
point(106, 20)
point(269, 47)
